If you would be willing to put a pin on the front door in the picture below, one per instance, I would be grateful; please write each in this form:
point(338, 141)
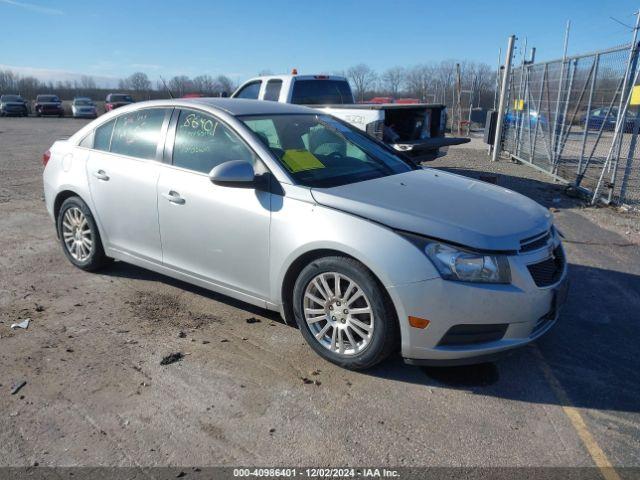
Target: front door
point(219, 234)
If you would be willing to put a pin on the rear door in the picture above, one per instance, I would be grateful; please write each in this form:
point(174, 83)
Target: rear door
point(123, 171)
point(215, 233)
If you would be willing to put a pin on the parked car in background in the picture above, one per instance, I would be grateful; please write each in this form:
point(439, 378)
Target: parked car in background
point(416, 130)
point(291, 209)
point(603, 116)
point(48, 105)
point(117, 100)
point(13, 105)
point(513, 117)
point(83, 107)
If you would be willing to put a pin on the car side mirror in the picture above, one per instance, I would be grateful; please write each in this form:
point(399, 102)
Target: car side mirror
point(235, 173)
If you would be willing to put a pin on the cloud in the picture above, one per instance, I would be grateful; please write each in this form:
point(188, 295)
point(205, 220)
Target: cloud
point(54, 75)
point(33, 8)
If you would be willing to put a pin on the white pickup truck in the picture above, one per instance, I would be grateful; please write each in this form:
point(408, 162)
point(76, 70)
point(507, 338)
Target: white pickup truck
point(417, 130)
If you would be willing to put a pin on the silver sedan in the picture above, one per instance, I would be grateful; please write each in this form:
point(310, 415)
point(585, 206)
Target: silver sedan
point(290, 209)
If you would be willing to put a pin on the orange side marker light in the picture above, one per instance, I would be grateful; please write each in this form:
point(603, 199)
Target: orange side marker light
point(417, 322)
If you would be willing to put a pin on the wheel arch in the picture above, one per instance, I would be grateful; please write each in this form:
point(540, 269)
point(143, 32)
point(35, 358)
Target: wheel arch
point(294, 269)
point(61, 196)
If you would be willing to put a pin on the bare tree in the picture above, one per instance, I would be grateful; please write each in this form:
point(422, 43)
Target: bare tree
point(87, 83)
point(180, 85)
point(225, 85)
point(363, 79)
point(137, 82)
point(420, 82)
point(392, 80)
point(204, 84)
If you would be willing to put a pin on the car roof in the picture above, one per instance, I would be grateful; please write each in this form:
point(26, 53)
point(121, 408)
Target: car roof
point(241, 106)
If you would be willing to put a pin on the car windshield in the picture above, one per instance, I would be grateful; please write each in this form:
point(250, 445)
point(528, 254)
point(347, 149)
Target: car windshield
point(320, 151)
point(47, 98)
point(121, 98)
point(11, 98)
point(82, 101)
point(321, 92)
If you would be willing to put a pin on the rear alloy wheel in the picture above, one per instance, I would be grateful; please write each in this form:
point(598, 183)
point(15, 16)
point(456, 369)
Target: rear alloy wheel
point(79, 235)
point(344, 314)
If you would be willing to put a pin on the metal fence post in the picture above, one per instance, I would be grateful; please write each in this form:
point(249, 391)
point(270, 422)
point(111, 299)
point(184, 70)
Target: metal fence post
point(519, 112)
point(631, 66)
point(596, 62)
point(560, 83)
point(503, 100)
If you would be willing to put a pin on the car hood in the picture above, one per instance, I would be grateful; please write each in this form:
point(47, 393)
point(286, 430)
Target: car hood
point(50, 104)
point(444, 206)
point(14, 103)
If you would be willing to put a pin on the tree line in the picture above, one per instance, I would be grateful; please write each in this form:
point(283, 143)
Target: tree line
point(138, 85)
point(430, 82)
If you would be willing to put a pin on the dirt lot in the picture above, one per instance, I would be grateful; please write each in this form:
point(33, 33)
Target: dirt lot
point(97, 395)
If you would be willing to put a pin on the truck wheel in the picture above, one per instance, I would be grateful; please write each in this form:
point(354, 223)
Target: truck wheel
point(344, 313)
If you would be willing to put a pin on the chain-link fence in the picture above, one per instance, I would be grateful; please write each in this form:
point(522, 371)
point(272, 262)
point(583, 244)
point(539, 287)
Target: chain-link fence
point(575, 119)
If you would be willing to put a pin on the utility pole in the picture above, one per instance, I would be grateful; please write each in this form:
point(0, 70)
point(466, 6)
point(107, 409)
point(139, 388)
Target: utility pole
point(503, 98)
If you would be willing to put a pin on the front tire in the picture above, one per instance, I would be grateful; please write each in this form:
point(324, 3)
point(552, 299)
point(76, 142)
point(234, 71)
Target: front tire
point(79, 235)
point(344, 313)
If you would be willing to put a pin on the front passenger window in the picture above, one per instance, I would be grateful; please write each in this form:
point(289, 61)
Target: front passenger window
point(202, 142)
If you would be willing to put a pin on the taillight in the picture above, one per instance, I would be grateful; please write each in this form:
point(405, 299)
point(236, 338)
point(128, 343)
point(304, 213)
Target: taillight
point(45, 157)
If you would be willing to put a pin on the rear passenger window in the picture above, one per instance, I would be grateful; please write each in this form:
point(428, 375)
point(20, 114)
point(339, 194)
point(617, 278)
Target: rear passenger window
point(102, 137)
point(272, 91)
point(202, 143)
point(250, 91)
point(137, 134)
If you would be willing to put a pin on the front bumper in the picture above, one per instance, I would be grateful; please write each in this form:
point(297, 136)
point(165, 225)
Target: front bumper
point(524, 310)
point(13, 110)
point(84, 114)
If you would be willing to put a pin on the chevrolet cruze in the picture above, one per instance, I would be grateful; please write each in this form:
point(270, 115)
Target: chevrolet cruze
point(290, 209)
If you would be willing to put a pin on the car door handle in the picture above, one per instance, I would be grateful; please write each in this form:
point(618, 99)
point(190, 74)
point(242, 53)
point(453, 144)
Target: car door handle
point(174, 197)
point(101, 175)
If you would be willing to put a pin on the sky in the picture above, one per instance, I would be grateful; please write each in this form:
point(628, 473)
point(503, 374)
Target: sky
point(61, 39)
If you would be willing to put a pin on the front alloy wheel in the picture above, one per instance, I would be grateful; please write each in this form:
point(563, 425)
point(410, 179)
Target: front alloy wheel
point(338, 313)
point(344, 312)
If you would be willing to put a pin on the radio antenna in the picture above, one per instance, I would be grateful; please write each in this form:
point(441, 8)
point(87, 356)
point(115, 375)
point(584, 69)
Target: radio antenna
point(166, 87)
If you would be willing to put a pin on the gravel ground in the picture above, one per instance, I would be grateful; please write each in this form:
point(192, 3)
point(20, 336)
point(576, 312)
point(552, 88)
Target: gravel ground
point(96, 393)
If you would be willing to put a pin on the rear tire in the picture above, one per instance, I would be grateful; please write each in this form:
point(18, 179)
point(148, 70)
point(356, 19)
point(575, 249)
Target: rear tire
point(353, 324)
point(79, 235)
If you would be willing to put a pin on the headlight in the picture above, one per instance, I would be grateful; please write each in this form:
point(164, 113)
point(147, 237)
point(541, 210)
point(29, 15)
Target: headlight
point(466, 266)
point(461, 265)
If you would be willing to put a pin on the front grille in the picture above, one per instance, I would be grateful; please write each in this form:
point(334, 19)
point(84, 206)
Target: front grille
point(535, 242)
point(465, 334)
point(548, 271)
